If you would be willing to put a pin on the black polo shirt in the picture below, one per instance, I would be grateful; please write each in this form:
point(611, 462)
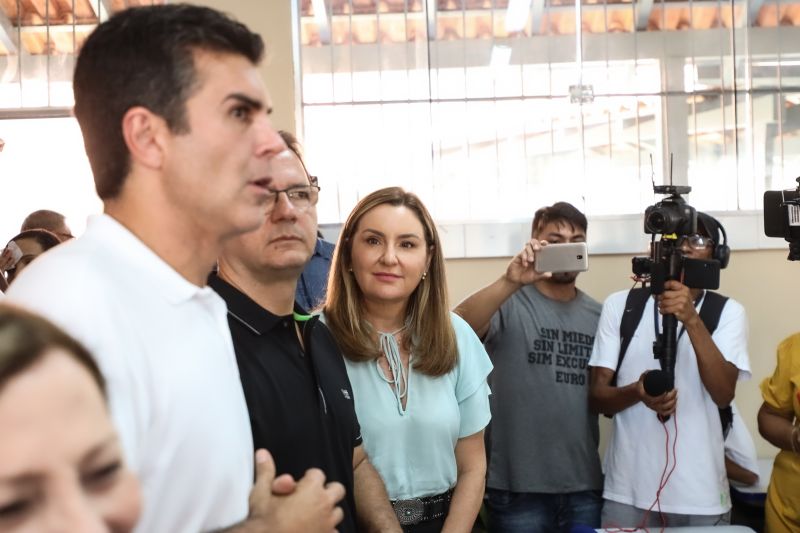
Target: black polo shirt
point(300, 402)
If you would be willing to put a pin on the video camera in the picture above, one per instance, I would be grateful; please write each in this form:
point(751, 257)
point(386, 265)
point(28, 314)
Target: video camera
point(672, 218)
point(782, 218)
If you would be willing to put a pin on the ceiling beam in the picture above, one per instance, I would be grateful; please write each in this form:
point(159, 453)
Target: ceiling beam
point(58, 28)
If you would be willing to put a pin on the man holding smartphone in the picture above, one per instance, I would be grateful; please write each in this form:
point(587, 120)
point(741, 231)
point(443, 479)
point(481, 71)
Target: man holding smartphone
point(538, 327)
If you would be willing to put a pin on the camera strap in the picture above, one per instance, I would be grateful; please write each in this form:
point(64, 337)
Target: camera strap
point(710, 313)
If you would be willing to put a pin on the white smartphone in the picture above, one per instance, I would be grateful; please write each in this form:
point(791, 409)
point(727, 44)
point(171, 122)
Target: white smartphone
point(562, 257)
point(14, 253)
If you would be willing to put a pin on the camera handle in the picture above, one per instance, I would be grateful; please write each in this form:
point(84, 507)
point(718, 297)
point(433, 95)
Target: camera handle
point(665, 345)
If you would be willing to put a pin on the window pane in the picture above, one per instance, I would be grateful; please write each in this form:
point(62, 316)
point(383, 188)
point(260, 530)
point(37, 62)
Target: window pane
point(61, 181)
point(501, 109)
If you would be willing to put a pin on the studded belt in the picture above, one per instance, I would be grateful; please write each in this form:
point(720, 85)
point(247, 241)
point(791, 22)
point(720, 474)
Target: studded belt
point(417, 510)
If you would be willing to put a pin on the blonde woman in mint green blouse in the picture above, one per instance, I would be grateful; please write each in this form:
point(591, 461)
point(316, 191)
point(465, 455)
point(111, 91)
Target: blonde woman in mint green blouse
point(418, 372)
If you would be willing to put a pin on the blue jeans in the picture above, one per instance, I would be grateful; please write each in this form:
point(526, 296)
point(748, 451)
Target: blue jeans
point(528, 512)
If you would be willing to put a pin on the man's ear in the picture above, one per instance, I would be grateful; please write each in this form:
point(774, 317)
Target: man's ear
point(143, 132)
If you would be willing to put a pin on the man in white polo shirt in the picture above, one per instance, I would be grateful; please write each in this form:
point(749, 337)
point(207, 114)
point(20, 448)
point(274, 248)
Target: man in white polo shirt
point(174, 118)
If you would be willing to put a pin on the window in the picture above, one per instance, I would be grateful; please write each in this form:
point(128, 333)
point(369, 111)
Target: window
point(491, 108)
point(43, 164)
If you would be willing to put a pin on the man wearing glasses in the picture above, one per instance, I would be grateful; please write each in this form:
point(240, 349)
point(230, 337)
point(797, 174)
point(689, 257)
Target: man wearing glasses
point(675, 466)
point(293, 374)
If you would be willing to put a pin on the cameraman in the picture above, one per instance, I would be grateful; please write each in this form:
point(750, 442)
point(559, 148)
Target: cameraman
point(642, 450)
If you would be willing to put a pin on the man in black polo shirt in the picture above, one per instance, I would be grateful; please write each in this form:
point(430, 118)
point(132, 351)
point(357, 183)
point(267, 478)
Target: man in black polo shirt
point(293, 375)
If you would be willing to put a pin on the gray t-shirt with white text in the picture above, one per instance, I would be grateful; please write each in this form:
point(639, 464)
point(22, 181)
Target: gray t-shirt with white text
point(542, 437)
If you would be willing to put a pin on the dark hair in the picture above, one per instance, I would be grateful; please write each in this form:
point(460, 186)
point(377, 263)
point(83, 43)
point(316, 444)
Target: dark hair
point(297, 149)
point(709, 226)
point(428, 313)
point(559, 212)
point(46, 239)
point(292, 143)
point(144, 56)
point(44, 219)
point(25, 338)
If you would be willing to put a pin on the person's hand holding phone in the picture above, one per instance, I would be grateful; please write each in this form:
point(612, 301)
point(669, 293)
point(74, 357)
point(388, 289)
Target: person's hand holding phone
point(562, 257)
point(10, 256)
point(520, 270)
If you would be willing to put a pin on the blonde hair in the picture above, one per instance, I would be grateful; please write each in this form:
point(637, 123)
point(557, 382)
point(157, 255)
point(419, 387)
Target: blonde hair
point(429, 333)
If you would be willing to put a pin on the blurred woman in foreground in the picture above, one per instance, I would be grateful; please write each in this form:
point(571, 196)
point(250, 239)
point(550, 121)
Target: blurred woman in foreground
point(61, 464)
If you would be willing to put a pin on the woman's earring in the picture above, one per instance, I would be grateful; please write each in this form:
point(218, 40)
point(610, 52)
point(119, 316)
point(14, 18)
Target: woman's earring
point(424, 274)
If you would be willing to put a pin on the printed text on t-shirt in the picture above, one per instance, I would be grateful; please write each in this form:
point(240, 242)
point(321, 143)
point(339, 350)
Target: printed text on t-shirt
point(569, 350)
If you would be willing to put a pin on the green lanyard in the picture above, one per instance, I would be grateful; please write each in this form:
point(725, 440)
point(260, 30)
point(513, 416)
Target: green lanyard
point(301, 318)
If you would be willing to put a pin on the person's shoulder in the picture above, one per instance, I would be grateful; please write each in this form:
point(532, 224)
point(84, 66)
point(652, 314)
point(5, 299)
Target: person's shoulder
point(67, 270)
point(461, 327)
point(589, 302)
point(67, 288)
point(322, 333)
point(617, 298)
point(790, 344)
point(732, 306)
point(321, 328)
point(469, 345)
point(325, 248)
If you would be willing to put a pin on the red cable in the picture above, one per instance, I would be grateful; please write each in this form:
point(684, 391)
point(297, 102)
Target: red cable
point(661, 484)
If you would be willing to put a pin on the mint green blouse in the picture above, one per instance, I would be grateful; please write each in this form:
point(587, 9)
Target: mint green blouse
point(414, 450)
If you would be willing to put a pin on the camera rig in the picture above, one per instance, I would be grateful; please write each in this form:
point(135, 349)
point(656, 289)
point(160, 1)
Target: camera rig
point(671, 218)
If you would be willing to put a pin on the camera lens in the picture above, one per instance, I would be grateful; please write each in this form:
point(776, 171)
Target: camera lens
point(656, 221)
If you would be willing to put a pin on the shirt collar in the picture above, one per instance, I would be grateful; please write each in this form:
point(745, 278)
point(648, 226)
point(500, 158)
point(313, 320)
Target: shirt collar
point(158, 276)
point(323, 248)
point(246, 311)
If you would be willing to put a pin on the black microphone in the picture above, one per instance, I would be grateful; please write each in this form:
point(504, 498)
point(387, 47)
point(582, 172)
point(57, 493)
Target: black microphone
point(656, 383)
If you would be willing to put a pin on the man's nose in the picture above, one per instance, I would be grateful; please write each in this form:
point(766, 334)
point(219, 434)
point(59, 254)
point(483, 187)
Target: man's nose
point(284, 208)
point(269, 142)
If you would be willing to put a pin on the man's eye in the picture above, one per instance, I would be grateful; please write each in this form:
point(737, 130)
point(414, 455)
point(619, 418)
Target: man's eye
point(241, 112)
point(14, 509)
point(300, 194)
point(102, 475)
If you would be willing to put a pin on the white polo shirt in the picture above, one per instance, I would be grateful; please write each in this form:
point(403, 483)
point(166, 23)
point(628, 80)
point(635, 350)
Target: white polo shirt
point(164, 346)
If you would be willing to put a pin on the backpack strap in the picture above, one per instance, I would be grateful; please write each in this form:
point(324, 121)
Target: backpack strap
point(710, 313)
point(634, 308)
point(711, 310)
